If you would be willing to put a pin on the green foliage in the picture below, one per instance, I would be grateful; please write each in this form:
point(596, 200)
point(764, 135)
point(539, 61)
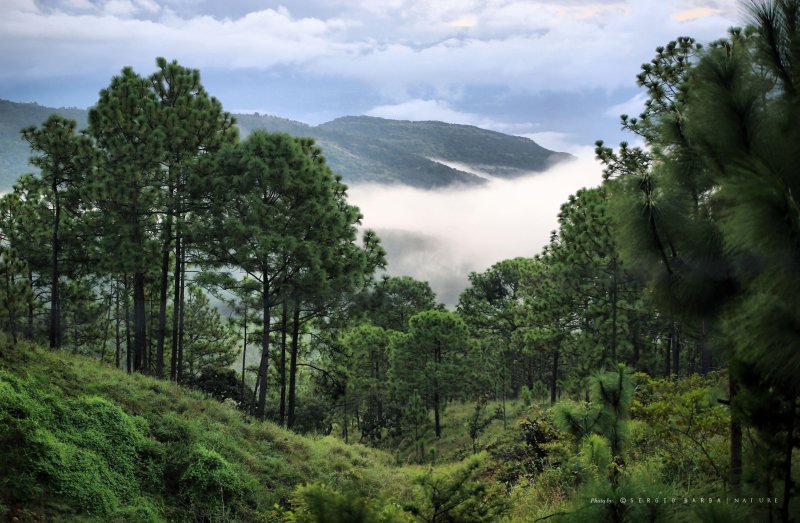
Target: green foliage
point(478, 422)
point(209, 343)
point(533, 446)
point(82, 452)
point(210, 485)
point(319, 503)
point(415, 420)
point(526, 395)
point(16, 293)
point(596, 452)
point(433, 359)
point(611, 395)
point(630, 498)
point(685, 425)
point(458, 495)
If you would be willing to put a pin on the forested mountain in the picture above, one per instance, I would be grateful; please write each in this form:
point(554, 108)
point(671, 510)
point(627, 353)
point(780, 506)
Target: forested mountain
point(642, 367)
point(360, 148)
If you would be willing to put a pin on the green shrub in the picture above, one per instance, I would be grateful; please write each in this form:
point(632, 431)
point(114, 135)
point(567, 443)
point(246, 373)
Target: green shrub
point(596, 452)
point(81, 452)
point(459, 495)
point(210, 485)
point(526, 396)
point(319, 503)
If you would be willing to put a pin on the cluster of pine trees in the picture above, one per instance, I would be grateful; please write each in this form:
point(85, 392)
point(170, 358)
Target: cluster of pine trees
point(685, 260)
point(99, 247)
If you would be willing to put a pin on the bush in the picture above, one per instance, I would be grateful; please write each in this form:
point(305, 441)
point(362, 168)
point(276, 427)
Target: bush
point(459, 495)
point(81, 452)
point(320, 503)
point(526, 396)
point(211, 486)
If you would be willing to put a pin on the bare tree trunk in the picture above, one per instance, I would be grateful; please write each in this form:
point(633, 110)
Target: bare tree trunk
point(244, 354)
point(176, 305)
point(128, 344)
point(676, 349)
point(105, 335)
point(554, 378)
point(284, 325)
point(263, 367)
point(116, 328)
point(162, 298)
point(181, 316)
point(293, 362)
point(55, 298)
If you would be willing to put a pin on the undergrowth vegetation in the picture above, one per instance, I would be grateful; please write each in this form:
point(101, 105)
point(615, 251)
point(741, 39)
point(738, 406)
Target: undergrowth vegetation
point(85, 442)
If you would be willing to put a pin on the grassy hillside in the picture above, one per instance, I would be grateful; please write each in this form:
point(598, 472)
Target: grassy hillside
point(82, 441)
point(85, 442)
point(361, 149)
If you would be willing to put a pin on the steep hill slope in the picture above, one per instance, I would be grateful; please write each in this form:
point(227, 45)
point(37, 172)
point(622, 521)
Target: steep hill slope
point(82, 441)
point(362, 149)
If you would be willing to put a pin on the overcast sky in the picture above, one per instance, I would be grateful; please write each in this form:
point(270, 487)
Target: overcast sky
point(559, 71)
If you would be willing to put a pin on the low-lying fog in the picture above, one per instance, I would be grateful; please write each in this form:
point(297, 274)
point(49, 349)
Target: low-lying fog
point(443, 235)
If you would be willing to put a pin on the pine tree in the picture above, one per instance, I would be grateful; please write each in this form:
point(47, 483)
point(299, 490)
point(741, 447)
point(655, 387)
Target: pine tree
point(64, 159)
point(125, 128)
point(194, 125)
point(434, 359)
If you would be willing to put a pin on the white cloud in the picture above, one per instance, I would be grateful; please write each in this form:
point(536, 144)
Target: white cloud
point(424, 109)
point(632, 107)
point(525, 45)
point(442, 235)
point(562, 142)
point(119, 8)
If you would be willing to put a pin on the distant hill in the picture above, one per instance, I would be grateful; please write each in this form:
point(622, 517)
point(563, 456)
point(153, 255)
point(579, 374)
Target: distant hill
point(361, 148)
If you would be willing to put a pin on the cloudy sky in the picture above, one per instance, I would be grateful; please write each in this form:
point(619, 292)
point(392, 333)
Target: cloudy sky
point(559, 71)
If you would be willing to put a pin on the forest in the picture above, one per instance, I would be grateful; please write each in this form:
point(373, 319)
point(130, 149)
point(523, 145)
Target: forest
point(196, 327)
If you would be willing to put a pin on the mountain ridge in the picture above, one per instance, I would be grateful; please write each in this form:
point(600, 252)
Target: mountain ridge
point(363, 149)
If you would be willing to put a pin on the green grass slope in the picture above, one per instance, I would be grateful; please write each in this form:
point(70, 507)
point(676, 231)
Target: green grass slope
point(86, 442)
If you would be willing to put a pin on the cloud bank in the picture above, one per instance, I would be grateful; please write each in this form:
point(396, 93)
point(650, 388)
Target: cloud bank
point(442, 235)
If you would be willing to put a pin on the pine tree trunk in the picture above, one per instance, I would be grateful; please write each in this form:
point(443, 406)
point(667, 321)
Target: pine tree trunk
point(181, 315)
point(436, 399)
point(128, 344)
point(244, 354)
point(30, 305)
point(176, 305)
point(705, 352)
point(614, 310)
point(118, 341)
point(12, 319)
point(667, 360)
point(55, 298)
point(676, 349)
point(162, 298)
point(105, 334)
point(554, 378)
point(139, 330)
point(284, 321)
point(293, 362)
point(263, 367)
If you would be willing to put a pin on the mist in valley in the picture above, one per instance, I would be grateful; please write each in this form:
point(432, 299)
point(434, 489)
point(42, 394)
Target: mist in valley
point(443, 235)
